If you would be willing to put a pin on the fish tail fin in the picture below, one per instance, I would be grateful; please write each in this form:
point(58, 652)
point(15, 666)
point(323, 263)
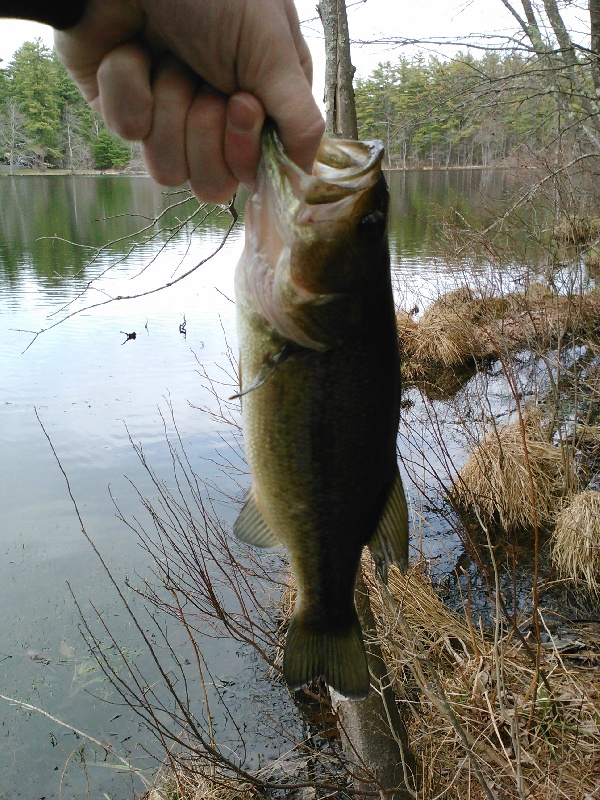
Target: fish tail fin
point(338, 657)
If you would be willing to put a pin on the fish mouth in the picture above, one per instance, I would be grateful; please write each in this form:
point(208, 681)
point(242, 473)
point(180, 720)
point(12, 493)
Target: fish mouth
point(291, 271)
point(342, 167)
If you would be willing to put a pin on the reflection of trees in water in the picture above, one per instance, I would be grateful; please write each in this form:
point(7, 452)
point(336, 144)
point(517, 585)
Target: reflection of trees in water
point(420, 202)
point(54, 224)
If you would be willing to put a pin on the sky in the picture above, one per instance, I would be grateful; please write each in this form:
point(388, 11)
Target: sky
point(368, 20)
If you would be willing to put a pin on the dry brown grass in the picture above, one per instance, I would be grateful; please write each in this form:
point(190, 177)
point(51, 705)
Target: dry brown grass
point(407, 329)
point(527, 741)
point(198, 782)
point(576, 540)
point(576, 230)
point(541, 319)
point(462, 327)
point(444, 330)
point(516, 477)
point(592, 260)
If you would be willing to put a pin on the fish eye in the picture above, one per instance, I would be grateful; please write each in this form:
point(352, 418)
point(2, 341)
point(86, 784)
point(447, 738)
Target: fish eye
point(371, 227)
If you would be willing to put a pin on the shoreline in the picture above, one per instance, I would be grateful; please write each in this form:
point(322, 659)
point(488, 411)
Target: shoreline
point(88, 173)
point(19, 173)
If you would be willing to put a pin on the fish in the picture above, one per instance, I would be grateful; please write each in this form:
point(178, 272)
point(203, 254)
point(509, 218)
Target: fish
point(320, 394)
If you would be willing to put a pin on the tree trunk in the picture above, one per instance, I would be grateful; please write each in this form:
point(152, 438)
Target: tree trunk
point(571, 95)
point(595, 44)
point(373, 733)
point(340, 109)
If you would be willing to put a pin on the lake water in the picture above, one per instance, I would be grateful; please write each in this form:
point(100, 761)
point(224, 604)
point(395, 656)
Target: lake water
point(94, 389)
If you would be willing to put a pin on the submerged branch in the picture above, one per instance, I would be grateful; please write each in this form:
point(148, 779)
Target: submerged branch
point(106, 746)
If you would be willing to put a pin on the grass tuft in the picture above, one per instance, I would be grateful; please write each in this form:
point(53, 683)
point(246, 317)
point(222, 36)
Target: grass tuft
point(576, 540)
point(516, 478)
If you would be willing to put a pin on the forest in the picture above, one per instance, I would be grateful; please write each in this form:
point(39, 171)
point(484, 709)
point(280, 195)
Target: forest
point(466, 111)
point(461, 112)
point(44, 121)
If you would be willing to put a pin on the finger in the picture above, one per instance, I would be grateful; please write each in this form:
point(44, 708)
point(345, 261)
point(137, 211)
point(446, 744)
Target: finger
point(125, 94)
point(301, 47)
point(163, 149)
point(279, 77)
point(242, 147)
point(106, 24)
point(289, 100)
point(211, 180)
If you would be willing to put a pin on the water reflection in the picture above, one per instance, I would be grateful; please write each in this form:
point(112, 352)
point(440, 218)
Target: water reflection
point(40, 216)
point(420, 201)
point(91, 391)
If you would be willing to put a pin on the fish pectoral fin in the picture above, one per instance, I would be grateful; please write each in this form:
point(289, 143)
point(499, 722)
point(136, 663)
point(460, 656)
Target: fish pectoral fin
point(389, 543)
point(267, 369)
point(251, 527)
point(337, 657)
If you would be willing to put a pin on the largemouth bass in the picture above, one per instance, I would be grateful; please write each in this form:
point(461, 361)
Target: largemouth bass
point(320, 394)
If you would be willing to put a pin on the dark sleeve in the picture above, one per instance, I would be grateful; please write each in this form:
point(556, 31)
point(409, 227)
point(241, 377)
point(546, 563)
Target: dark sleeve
point(58, 14)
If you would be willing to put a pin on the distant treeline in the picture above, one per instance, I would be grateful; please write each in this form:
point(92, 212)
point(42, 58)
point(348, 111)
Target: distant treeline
point(44, 121)
point(464, 112)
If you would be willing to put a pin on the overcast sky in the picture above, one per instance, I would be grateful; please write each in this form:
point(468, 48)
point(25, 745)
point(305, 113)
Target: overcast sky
point(368, 20)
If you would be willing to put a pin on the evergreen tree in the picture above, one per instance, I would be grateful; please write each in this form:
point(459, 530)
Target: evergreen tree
point(34, 85)
point(462, 112)
point(4, 86)
point(109, 152)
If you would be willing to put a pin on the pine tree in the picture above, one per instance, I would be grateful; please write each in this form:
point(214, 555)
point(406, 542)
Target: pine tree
point(109, 152)
point(34, 84)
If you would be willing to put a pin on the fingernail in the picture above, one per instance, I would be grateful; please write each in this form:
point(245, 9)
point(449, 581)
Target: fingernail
point(240, 116)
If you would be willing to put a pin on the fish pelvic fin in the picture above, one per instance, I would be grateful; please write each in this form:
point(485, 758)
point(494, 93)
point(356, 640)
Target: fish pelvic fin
point(266, 371)
point(338, 657)
point(389, 543)
point(251, 527)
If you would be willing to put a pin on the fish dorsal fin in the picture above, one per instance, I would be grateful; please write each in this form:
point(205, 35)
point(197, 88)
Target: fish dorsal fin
point(251, 527)
point(389, 543)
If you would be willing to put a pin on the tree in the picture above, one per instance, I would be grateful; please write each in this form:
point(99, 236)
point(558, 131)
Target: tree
point(77, 147)
point(34, 85)
point(59, 124)
point(460, 112)
point(109, 152)
point(555, 66)
point(14, 141)
point(339, 94)
point(3, 85)
point(571, 72)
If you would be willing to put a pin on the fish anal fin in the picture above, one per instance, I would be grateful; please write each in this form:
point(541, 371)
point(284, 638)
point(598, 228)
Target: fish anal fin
point(251, 527)
point(389, 543)
point(337, 657)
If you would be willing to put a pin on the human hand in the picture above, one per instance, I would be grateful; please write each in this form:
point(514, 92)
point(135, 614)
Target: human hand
point(193, 79)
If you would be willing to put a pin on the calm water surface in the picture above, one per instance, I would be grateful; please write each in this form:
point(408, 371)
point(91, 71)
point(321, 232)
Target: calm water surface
point(92, 390)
